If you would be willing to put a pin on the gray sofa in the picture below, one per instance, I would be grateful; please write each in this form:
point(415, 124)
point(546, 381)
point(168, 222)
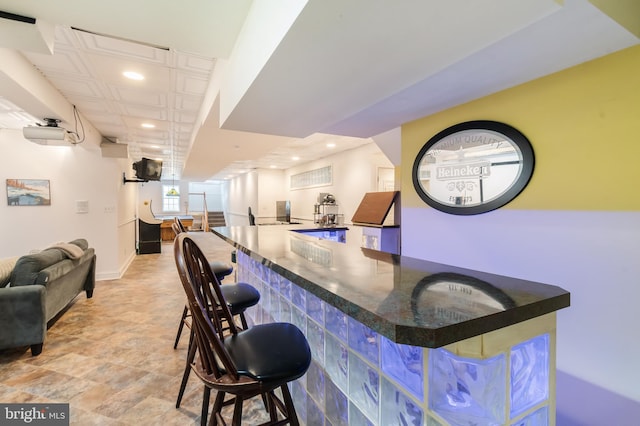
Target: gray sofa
point(40, 286)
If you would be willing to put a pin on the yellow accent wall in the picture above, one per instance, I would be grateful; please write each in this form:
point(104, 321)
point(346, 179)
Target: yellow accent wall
point(624, 12)
point(583, 124)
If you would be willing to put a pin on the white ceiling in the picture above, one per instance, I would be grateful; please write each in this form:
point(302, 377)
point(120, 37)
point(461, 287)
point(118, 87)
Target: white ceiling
point(354, 69)
point(87, 69)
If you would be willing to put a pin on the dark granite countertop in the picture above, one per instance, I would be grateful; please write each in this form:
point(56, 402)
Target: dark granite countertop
point(408, 300)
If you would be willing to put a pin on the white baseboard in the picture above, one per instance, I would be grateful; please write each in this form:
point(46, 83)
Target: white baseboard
point(116, 275)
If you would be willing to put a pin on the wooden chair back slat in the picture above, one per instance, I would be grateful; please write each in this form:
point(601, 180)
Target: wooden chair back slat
point(212, 317)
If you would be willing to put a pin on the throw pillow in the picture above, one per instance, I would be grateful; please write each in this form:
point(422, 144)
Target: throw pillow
point(6, 266)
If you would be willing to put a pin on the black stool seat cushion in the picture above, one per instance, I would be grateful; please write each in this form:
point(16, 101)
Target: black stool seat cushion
point(240, 296)
point(220, 269)
point(270, 352)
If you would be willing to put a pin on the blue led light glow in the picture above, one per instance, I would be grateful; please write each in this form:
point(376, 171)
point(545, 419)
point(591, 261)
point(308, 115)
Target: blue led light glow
point(364, 340)
point(315, 337)
point(397, 408)
point(337, 361)
point(336, 405)
point(529, 374)
point(404, 364)
point(464, 391)
point(537, 418)
point(358, 377)
point(315, 308)
point(364, 387)
point(336, 322)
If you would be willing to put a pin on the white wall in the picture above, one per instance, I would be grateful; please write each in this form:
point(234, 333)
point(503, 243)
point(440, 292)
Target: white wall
point(243, 193)
point(271, 188)
point(354, 174)
point(213, 193)
point(75, 174)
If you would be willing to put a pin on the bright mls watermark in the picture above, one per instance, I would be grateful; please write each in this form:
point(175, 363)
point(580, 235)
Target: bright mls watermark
point(34, 414)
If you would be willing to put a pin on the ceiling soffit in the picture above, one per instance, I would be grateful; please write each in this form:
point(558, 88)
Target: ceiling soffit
point(369, 53)
point(384, 65)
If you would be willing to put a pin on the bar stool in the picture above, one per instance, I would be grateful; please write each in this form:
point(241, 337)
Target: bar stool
point(242, 363)
point(239, 297)
point(221, 270)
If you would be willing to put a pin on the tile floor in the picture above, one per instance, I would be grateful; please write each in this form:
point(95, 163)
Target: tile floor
point(112, 358)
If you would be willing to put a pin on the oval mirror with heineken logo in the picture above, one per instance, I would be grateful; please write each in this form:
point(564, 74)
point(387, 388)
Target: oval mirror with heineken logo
point(473, 167)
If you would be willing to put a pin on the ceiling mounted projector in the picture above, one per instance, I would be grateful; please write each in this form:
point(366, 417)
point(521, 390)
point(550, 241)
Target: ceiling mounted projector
point(51, 134)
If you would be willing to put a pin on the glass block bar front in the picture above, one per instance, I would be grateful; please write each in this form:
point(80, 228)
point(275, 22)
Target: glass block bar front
point(359, 377)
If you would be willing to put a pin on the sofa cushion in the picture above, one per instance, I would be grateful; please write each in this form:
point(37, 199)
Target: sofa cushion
point(62, 268)
point(6, 267)
point(29, 266)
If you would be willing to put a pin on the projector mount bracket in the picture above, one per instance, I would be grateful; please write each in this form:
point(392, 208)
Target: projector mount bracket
point(51, 122)
point(125, 180)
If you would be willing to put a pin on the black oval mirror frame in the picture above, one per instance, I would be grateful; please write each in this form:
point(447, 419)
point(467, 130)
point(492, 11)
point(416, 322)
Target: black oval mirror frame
point(472, 175)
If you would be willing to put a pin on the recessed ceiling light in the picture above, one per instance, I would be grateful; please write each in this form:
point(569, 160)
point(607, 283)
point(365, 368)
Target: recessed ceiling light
point(132, 75)
point(295, 158)
point(273, 166)
point(148, 125)
point(331, 145)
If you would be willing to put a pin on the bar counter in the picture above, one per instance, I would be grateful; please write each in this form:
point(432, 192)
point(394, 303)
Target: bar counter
point(397, 340)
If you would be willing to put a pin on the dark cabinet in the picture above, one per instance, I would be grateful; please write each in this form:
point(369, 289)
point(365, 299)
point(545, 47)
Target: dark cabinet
point(148, 237)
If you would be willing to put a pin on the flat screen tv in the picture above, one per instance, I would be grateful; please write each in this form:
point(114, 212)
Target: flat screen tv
point(148, 169)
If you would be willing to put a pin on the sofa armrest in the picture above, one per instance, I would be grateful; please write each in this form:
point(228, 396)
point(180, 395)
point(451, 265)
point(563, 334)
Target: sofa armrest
point(22, 316)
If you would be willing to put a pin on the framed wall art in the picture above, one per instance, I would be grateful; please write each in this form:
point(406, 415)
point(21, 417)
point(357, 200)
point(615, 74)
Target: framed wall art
point(28, 192)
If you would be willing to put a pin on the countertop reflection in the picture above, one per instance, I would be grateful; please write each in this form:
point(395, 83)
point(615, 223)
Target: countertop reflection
point(408, 300)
